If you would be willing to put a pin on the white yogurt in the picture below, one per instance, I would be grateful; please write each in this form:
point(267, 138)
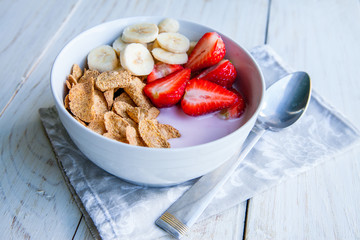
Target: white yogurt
point(197, 130)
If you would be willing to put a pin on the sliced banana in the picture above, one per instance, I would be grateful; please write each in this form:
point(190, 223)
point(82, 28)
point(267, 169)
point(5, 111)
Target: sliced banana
point(137, 59)
point(102, 59)
point(119, 45)
point(191, 48)
point(173, 42)
point(140, 33)
point(169, 57)
point(169, 25)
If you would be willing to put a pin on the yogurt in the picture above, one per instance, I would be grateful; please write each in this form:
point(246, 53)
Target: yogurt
point(197, 130)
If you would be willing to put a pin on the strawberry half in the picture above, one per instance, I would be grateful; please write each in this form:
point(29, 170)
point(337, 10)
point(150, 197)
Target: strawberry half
point(207, 52)
point(223, 73)
point(167, 91)
point(202, 97)
point(235, 110)
point(161, 70)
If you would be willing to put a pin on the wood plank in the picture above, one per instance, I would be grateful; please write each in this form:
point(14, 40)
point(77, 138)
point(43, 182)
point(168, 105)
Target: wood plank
point(32, 189)
point(226, 225)
point(83, 231)
point(27, 28)
point(320, 37)
point(31, 186)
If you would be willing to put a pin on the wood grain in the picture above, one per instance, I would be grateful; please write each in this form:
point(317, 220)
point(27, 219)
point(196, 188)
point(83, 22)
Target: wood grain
point(35, 202)
point(27, 29)
point(320, 37)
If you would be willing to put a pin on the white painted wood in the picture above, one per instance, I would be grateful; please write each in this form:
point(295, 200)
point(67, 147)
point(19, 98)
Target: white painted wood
point(226, 225)
point(322, 38)
point(35, 202)
point(27, 28)
point(32, 191)
point(83, 231)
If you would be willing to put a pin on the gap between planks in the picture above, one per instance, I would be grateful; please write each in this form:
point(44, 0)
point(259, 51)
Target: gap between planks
point(265, 42)
point(77, 227)
point(41, 56)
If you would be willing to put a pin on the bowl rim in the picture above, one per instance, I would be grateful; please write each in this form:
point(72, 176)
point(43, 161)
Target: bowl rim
point(59, 104)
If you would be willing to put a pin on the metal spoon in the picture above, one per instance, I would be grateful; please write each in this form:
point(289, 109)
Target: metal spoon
point(285, 102)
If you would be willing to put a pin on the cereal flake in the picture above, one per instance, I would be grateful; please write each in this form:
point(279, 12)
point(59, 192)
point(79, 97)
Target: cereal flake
point(76, 71)
point(151, 135)
point(113, 79)
point(168, 131)
point(109, 96)
point(115, 124)
point(135, 91)
point(89, 75)
point(81, 100)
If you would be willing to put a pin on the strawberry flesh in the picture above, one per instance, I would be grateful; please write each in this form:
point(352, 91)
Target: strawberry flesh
point(167, 91)
point(161, 70)
point(202, 97)
point(207, 52)
point(223, 73)
point(236, 110)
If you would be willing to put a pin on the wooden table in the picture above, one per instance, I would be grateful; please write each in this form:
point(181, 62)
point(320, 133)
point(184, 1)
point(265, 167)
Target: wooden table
point(320, 37)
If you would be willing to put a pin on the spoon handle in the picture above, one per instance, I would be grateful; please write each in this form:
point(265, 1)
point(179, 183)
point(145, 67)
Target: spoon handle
point(184, 212)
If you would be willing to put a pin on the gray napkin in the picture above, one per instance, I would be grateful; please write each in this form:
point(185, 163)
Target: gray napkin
point(115, 209)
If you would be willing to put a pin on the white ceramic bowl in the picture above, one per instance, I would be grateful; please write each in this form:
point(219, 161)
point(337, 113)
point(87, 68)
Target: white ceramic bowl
point(149, 166)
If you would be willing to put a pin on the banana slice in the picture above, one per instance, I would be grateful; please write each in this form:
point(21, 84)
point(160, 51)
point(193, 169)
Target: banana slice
point(169, 25)
point(137, 59)
point(102, 59)
point(173, 42)
point(169, 57)
point(119, 45)
point(140, 33)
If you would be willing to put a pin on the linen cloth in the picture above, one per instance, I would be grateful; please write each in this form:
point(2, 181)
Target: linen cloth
point(115, 209)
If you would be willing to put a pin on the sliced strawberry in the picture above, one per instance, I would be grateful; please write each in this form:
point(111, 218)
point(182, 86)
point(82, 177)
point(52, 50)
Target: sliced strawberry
point(161, 70)
point(207, 52)
point(235, 110)
point(202, 97)
point(223, 73)
point(167, 91)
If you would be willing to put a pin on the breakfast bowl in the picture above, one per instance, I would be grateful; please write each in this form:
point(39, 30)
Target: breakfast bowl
point(206, 142)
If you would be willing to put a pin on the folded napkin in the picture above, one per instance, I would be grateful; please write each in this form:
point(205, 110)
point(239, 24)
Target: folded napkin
point(115, 209)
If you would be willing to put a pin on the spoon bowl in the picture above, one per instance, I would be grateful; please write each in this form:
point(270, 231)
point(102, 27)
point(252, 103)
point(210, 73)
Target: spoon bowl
point(285, 101)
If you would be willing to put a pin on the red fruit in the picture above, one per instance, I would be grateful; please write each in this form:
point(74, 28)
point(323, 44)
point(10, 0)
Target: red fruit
point(223, 73)
point(202, 96)
point(207, 52)
point(161, 70)
point(235, 110)
point(167, 91)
